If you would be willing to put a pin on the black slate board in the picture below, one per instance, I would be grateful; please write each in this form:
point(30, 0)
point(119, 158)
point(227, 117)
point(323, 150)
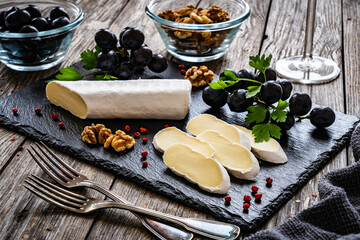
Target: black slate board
point(307, 148)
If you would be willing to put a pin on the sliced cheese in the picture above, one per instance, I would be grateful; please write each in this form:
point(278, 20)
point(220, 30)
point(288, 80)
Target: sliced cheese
point(205, 122)
point(238, 160)
point(270, 151)
point(132, 99)
point(172, 135)
point(204, 171)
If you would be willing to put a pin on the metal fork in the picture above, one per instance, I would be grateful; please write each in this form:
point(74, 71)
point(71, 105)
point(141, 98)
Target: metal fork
point(68, 177)
point(82, 204)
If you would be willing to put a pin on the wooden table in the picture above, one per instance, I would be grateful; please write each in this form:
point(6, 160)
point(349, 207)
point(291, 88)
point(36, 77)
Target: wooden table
point(275, 26)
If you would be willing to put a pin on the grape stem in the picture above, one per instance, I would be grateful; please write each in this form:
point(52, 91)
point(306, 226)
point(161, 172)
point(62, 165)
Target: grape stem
point(302, 117)
point(262, 102)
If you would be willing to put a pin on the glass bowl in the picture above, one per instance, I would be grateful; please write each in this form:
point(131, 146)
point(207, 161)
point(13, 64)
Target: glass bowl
point(41, 50)
point(198, 42)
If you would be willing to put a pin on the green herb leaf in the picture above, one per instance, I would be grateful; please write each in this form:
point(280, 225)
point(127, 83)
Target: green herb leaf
point(260, 63)
point(279, 113)
point(220, 84)
point(69, 74)
point(99, 77)
point(252, 91)
point(256, 114)
point(89, 58)
point(262, 132)
point(230, 75)
point(105, 77)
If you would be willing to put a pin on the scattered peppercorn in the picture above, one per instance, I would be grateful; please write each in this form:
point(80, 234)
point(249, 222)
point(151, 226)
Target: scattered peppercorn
point(136, 134)
point(314, 195)
point(144, 140)
point(269, 180)
point(144, 153)
point(49, 229)
point(227, 199)
point(13, 139)
point(254, 189)
point(61, 124)
point(247, 198)
point(151, 195)
point(183, 71)
point(181, 66)
point(349, 18)
point(21, 148)
point(143, 130)
point(145, 164)
point(15, 111)
point(127, 128)
point(17, 154)
point(258, 196)
point(166, 126)
point(37, 111)
point(54, 116)
point(246, 206)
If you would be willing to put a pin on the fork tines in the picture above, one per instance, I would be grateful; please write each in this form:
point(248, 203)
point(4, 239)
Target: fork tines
point(55, 195)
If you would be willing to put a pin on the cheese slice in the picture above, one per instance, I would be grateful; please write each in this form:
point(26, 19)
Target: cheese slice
point(270, 151)
point(204, 171)
point(238, 160)
point(132, 99)
point(172, 135)
point(204, 122)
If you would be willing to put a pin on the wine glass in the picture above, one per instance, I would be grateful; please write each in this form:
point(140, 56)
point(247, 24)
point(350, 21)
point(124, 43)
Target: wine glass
point(306, 68)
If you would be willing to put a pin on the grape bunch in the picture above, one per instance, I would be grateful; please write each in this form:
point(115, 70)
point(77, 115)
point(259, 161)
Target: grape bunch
point(29, 19)
point(271, 107)
point(122, 57)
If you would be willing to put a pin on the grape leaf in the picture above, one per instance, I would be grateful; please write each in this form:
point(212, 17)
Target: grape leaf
point(220, 84)
point(262, 132)
point(69, 74)
point(89, 58)
point(279, 113)
point(260, 63)
point(256, 114)
point(252, 91)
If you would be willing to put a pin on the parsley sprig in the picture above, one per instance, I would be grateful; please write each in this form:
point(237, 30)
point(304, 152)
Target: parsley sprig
point(264, 117)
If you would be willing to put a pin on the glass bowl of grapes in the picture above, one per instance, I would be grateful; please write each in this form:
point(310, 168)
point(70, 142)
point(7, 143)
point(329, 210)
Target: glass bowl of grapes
point(196, 31)
point(35, 35)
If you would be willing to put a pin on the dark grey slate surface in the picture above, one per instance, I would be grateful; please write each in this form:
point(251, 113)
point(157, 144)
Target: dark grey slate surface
point(307, 148)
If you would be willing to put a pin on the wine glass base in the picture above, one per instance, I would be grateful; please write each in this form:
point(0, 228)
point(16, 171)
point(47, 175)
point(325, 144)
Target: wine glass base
point(309, 71)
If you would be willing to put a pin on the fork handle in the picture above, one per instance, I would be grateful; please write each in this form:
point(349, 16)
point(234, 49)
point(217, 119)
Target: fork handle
point(208, 228)
point(161, 230)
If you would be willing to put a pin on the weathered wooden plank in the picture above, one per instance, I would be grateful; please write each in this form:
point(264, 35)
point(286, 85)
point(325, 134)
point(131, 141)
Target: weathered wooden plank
point(9, 145)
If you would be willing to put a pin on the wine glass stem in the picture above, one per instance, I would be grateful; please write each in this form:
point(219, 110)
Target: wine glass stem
point(309, 31)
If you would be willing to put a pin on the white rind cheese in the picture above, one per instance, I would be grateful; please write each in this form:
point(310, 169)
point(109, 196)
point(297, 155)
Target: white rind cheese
point(270, 151)
point(206, 172)
point(204, 122)
point(238, 160)
point(131, 99)
point(172, 135)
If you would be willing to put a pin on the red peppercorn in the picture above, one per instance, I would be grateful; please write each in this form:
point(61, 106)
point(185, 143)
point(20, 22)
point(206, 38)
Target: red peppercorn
point(61, 124)
point(145, 164)
point(247, 198)
point(181, 66)
point(14, 110)
point(258, 196)
point(183, 71)
point(228, 199)
point(127, 128)
point(49, 229)
point(143, 130)
point(254, 189)
point(136, 134)
point(269, 180)
point(13, 139)
point(144, 153)
point(166, 126)
point(54, 116)
point(144, 140)
point(246, 206)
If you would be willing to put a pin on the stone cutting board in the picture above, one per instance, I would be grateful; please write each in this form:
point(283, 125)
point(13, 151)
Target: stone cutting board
point(308, 149)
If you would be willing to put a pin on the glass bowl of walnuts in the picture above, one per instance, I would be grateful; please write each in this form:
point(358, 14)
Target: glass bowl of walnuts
point(197, 32)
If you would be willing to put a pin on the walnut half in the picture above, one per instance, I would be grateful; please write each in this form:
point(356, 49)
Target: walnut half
point(199, 76)
point(119, 141)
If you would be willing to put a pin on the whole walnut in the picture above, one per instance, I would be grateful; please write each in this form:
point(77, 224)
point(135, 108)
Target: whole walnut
point(199, 76)
point(89, 135)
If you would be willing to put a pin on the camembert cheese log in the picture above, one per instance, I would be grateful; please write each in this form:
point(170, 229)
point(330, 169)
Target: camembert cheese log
point(237, 159)
point(131, 99)
point(270, 151)
point(206, 172)
point(172, 135)
point(204, 122)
